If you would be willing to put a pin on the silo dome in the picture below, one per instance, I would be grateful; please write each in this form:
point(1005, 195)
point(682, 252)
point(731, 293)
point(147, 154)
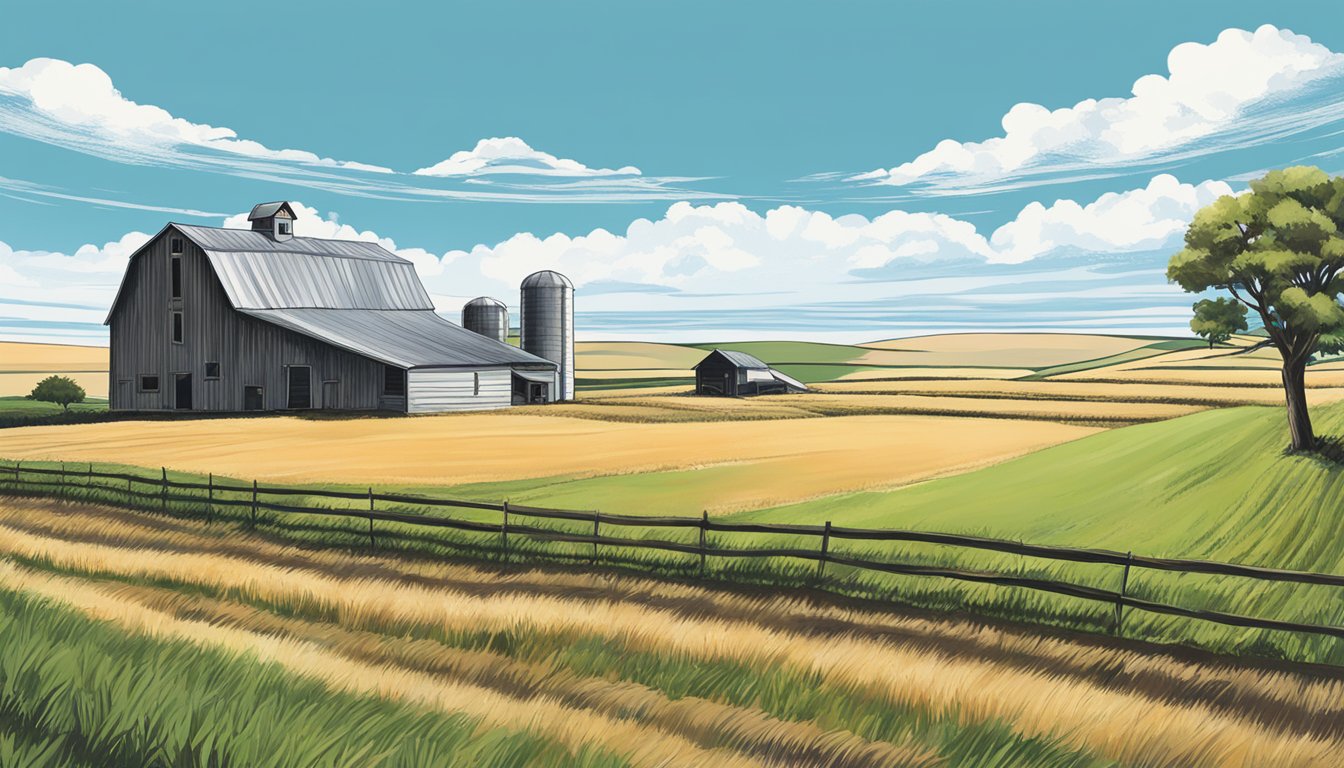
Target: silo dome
point(488, 317)
point(547, 324)
point(547, 279)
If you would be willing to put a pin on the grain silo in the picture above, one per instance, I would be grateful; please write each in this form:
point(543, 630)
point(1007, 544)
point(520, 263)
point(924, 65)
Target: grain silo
point(488, 317)
point(547, 324)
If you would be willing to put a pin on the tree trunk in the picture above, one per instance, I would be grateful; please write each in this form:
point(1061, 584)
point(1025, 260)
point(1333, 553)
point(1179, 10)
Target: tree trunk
point(1295, 390)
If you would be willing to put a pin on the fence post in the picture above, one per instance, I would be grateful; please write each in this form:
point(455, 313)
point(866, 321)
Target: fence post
point(1124, 589)
point(88, 482)
point(254, 503)
point(504, 534)
point(130, 500)
point(825, 547)
point(597, 520)
point(210, 499)
point(61, 487)
point(17, 463)
point(704, 526)
point(163, 492)
point(372, 544)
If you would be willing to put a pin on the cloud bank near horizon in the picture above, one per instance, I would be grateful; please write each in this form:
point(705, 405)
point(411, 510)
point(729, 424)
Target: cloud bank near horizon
point(696, 263)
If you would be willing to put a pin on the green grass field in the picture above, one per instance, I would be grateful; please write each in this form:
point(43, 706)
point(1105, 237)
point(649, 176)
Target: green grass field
point(22, 406)
point(77, 692)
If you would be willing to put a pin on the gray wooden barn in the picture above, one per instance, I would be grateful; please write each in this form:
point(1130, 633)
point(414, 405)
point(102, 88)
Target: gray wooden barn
point(210, 319)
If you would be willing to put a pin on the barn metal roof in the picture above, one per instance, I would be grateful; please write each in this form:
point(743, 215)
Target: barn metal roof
point(739, 359)
point(218, 239)
point(407, 339)
point(269, 280)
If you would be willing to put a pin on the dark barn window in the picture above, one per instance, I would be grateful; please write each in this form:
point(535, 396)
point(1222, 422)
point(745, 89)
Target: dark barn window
point(394, 381)
point(176, 245)
point(177, 327)
point(149, 383)
point(284, 227)
point(177, 278)
point(212, 370)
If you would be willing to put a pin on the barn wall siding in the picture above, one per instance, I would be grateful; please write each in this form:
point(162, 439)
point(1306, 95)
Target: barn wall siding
point(439, 390)
point(249, 351)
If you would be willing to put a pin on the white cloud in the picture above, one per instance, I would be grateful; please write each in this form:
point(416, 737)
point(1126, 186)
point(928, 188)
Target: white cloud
point(1138, 220)
point(513, 155)
point(1206, 98)
point(78, 107)
point(730, 248)
point(80, 104)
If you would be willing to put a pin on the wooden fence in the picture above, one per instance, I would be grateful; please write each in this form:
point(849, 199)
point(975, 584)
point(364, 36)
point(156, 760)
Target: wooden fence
point(69, 478)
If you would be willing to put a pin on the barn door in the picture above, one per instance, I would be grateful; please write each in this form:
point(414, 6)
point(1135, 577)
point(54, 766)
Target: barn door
point(300, 387)
point(182, 391)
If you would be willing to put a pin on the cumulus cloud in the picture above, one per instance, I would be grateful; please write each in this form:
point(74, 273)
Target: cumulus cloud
point(78, 107)
point(1237, 90)
point(728, 246)
point(1147, 219)
point(512, 155)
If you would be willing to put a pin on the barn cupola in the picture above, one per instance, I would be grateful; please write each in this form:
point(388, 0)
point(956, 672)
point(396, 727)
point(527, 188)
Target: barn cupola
point(275, 219)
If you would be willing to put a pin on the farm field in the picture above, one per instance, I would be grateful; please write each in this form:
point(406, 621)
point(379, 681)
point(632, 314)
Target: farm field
point(748, 464)
point(23, 365)
point(514, 665)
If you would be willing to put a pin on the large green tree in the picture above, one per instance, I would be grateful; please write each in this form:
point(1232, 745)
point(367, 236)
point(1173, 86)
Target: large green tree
point(1217, 319)
point(1279, 250)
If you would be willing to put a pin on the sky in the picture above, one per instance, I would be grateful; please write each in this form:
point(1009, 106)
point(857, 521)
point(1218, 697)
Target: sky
point(703, 171)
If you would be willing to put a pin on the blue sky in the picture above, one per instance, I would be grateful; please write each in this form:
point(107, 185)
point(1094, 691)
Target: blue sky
point(714, 170)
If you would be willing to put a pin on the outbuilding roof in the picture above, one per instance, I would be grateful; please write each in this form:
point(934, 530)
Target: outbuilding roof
point(739, 359)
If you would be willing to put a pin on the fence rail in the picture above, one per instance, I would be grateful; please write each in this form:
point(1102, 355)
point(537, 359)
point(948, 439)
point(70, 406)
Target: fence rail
point(69, 477)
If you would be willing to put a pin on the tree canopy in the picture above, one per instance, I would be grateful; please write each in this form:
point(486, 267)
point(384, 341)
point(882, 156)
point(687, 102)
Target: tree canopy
point(58, 389)
point(1217, 319)
point(1278, 250)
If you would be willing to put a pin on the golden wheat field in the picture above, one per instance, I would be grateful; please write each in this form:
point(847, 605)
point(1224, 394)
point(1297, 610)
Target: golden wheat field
point(805, 457)
point(22, 365)
point(665, 674)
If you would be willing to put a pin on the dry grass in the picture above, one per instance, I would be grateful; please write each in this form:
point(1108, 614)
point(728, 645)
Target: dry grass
point(1145, 709)
point(573, 727)
point(799, 458)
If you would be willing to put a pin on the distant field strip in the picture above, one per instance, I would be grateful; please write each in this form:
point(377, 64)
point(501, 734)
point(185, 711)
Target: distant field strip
point(637, 669)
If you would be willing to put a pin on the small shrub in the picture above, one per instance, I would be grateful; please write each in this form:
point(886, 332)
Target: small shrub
point(58, 389)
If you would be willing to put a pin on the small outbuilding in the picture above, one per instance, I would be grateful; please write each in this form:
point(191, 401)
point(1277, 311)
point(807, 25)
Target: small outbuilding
point(726, 373)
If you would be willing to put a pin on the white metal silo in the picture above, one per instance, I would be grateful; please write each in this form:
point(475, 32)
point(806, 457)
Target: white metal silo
point(547, 324)
point(488, 317)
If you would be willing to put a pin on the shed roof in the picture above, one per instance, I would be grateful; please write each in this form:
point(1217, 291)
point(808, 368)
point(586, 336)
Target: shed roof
point(739, 359)
point(407, 339)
